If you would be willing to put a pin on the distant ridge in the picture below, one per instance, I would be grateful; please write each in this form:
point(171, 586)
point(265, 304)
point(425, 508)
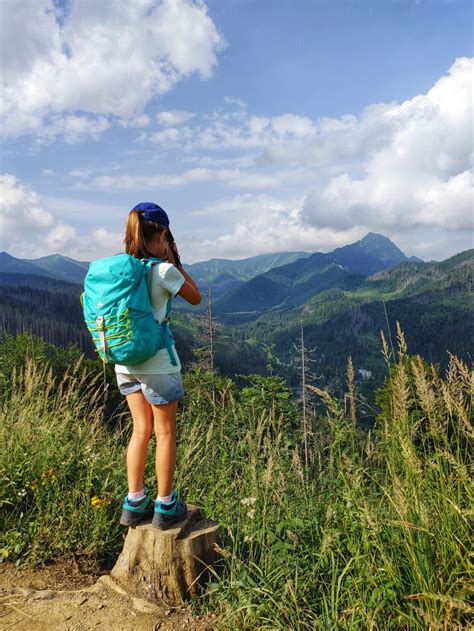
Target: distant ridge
point(13, 265)
point(371, 254)
point(219, 274)
point(294, 283)
point(62, 267)
point(224, 275)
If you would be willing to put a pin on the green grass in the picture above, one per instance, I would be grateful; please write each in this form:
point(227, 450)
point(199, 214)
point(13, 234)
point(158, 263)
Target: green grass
point(373, 534)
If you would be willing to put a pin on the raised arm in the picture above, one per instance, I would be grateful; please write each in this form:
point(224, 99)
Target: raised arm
point(189, 290)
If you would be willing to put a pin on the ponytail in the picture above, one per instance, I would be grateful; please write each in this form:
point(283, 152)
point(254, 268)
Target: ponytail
point(138, 233)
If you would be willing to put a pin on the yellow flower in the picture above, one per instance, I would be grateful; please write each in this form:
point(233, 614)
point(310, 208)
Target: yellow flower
point(49, 474)
point(98, 502)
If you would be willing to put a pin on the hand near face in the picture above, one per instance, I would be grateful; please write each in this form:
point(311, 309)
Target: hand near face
point(172, 250)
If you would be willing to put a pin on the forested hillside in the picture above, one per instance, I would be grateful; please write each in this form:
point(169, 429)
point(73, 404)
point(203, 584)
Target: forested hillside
point(293, 283)
point(432, 301)
point(51, 309)
point(341, 314)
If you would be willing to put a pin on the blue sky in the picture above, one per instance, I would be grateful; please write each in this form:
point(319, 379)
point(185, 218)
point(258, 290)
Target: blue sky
point(259, 126)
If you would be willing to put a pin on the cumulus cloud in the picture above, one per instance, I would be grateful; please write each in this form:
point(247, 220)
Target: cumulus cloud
point(138, 122)
point(237, 129)
point(171, 136)
point(264, 224)
point(403, 169)
point(419, 176)
point(97, 243)
point(21, 212)
point(28, 229)
point(72, 65)
point(174, 117)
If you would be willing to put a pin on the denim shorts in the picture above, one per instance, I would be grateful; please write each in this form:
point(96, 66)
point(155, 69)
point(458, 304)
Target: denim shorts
point(157, 389)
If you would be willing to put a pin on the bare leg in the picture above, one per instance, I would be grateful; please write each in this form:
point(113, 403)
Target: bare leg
point(142, 416)
point(165, 431)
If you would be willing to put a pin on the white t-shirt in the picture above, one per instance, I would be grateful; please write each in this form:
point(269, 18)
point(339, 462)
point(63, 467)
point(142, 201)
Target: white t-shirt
point(166, 281)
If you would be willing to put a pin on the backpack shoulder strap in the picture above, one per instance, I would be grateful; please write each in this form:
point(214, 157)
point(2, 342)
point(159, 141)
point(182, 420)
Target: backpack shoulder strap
point(149, 263)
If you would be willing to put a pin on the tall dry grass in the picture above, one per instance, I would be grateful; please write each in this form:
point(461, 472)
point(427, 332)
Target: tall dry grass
point(375, 534)
point(61, 469)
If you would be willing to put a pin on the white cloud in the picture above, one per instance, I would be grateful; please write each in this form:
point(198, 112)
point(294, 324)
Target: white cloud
point(174, 117)
point(233, 101)
point(29, 230)
point(138, 122)
point(420, 176)
point(98, 59)
point(89, 172)
point(48, 172)
point(265, 224)
point(21, 212)
point(171, 136)
point(73, 128)
point(61, 237)
point(79, 173)
point(404, 169)
point(232, 177)
point(97, 243)
point(237, 130)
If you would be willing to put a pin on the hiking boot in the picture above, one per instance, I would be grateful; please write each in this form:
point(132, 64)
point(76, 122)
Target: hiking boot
point(168, 514)
point(133, 513)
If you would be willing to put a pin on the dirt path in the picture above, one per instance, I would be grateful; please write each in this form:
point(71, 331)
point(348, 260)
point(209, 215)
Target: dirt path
point(62, 597)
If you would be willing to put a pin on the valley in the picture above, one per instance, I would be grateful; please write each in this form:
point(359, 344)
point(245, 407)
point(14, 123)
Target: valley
point(341, 301)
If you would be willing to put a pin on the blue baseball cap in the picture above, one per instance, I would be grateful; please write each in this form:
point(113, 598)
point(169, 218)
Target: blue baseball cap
point(153, 212)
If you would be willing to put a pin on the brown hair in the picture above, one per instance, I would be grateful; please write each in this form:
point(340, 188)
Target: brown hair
point(139, 232)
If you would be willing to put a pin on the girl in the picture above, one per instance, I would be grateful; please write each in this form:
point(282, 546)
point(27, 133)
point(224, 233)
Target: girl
point(154, 387)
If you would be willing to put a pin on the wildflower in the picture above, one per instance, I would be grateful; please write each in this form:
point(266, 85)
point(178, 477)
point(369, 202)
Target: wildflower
point(22, 493)
point(248, 501)
point(251, 513)
point(35, 484)
point(49, 474)
point(98, 502)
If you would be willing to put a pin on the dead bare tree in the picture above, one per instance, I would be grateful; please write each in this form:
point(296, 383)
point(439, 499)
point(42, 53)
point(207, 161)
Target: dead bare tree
point(304, 360)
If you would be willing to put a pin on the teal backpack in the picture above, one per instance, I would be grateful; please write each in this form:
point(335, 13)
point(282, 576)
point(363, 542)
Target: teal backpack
point(118, 311)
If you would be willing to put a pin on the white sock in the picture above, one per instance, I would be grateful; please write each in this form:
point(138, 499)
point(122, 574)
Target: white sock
point(137, 496)
point(165, 499)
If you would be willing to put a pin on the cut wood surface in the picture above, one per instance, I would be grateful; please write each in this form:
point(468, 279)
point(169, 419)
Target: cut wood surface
point(168, 565)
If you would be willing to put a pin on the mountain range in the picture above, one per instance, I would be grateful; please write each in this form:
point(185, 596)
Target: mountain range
point(340, 300)
point(254, 284)
point(432, 302)
point(294, 283)
point(54, 266)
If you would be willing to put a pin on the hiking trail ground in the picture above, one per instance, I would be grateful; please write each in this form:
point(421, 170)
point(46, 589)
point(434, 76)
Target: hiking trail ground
point(75, 594)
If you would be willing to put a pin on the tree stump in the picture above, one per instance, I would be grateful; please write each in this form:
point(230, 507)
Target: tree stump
point(168, 565)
